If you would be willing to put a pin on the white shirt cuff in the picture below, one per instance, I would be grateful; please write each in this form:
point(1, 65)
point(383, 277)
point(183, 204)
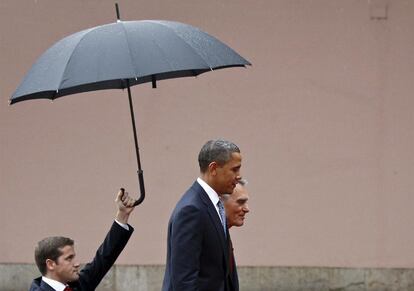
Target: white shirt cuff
point(123, 225)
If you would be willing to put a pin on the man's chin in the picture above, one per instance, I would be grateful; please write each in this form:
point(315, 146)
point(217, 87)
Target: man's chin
point(75, 277)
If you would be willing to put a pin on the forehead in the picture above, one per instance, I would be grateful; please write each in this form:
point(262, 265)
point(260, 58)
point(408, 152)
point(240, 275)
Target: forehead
point(67, 251)
point(235, 159)
point(240, 193)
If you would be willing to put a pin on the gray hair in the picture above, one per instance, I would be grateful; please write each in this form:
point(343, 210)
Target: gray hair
point(218, 151)
point(243, 182)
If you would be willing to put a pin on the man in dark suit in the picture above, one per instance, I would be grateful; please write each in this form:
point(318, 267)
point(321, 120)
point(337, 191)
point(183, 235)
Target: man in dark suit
point(198, 256)
point(55, 256)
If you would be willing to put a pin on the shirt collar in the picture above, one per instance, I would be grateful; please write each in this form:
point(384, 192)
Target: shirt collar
point(58, 286)
point(210, 191)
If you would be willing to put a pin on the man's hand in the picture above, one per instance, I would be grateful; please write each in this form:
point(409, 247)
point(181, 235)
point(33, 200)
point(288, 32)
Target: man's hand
point(125, 206)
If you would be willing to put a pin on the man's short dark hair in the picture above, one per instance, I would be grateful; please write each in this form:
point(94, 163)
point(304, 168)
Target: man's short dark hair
point(49, 248)
point(218, 151)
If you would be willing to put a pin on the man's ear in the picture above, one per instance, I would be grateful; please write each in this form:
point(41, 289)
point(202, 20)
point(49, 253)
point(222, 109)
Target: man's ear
point(50, 265)
point(212, 168)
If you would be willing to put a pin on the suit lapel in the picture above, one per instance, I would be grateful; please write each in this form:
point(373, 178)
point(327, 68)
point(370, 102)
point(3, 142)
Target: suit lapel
point(212, 212)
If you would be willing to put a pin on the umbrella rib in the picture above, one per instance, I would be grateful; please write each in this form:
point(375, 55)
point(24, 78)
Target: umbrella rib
point(155, 43)
point(160, 49)
point(71, 55)
point(130, 54)
point(129, 49)
point(169, 28)
point(163, 54)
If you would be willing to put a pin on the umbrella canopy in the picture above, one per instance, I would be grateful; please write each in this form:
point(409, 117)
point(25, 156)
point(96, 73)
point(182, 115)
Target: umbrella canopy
point(123, 54)
point(104, 57)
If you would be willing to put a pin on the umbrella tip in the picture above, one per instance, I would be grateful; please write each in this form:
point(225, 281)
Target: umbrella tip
point(117, 12)
point(154, 82)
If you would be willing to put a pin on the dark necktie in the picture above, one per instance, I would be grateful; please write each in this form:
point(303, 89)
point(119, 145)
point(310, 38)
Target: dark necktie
point(231, 256)
point(67, 288)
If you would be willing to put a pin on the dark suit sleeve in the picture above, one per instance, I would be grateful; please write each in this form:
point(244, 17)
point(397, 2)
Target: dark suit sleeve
point(186, 244)
point(115, 241)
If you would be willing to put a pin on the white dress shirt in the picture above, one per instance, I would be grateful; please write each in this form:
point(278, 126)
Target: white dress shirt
point(54, 284)
point(211, 194)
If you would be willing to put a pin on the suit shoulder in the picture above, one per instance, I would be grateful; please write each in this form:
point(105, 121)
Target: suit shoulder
point(189, 205)
point(190, 197)
point(35, 286)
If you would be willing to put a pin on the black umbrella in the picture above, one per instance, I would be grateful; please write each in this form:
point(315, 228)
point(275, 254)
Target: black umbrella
point(120, 55)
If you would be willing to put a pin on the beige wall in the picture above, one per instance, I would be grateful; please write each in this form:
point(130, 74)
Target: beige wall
point(324, 120)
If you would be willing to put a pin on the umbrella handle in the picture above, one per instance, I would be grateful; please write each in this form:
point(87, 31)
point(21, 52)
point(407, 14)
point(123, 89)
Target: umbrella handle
point(141, 198)
point(140, 172)
point(141, 187)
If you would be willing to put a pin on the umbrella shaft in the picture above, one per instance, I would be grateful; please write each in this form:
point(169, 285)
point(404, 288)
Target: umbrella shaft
point(140, 172)
point(134, 127)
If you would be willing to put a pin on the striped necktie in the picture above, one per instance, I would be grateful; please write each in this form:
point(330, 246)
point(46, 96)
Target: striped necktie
point(222, 215)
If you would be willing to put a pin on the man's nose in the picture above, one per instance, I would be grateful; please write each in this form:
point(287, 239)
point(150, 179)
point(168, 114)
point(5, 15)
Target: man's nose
point(76, 264)
point(246, 208)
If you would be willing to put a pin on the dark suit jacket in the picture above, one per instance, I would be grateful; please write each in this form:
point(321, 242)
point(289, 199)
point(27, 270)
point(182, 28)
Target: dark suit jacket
point(197, 249)
point(91, 275)
point(234, 277)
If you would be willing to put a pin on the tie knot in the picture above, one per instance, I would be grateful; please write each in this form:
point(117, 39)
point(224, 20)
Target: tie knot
point(67, 288)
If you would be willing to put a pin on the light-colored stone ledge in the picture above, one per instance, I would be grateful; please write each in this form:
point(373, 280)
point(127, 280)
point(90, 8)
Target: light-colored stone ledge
point(17, 277)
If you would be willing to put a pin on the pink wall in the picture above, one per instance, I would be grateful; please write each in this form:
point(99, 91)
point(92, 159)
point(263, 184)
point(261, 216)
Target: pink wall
point(324, 120)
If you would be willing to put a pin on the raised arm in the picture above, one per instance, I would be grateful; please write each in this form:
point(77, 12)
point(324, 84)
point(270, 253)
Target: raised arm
point(115, 241)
